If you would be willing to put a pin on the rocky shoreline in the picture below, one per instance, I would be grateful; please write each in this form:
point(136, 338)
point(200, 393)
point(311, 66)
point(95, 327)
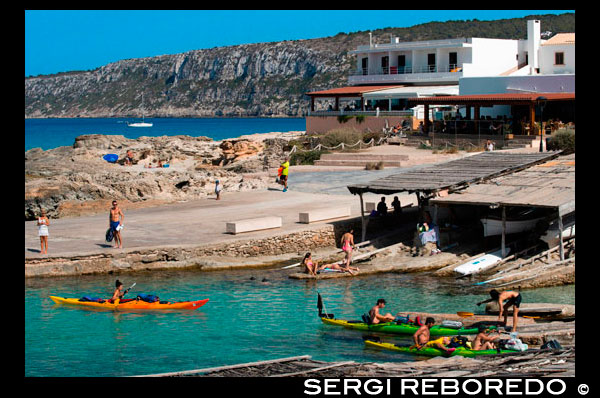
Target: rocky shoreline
point(75, 180)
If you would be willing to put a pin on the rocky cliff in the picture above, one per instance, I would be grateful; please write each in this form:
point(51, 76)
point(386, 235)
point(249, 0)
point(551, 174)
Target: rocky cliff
point(265, 79)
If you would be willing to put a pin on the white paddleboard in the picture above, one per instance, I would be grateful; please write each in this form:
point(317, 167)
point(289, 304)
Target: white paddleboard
point(480, 263)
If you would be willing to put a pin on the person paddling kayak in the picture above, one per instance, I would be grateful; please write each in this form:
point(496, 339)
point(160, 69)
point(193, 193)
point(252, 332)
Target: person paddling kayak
point(119, 293)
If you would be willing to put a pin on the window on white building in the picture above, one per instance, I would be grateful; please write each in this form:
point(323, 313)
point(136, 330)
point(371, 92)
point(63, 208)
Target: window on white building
point(559, 58)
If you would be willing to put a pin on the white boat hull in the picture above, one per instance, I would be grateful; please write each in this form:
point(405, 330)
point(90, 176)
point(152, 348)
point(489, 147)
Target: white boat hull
point(139, 124)
point(551, 236)
point(480, 263)
point(492, 226)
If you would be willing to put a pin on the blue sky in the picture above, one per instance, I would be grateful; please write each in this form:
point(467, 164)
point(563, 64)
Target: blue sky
point(63, 40)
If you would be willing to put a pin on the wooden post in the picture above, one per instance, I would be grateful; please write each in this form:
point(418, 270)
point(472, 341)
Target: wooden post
point(468, 113)
point(362, 103)
point(531, 119)
point(337, 103)
point(426, 120)
point(312, 104)
point(560, 229)
point(477, 117)
point(363, 225)
point(503, 231)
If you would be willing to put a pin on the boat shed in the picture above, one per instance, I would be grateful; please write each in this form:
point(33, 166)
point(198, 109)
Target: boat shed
point(450, 177)
point(548, 185)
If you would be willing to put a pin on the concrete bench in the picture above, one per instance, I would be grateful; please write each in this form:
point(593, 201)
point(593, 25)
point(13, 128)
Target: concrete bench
point(324, 214)
point(253, 224)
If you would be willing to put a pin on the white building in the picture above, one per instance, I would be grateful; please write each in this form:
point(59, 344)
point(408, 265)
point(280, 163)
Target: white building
point(433, 62)
point(549, 67)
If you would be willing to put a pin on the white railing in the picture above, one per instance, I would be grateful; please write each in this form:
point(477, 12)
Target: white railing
point(360, 113)
point(341, 146)
point(402, 70)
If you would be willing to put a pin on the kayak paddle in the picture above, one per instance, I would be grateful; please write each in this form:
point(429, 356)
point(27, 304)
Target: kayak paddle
point(129, 288)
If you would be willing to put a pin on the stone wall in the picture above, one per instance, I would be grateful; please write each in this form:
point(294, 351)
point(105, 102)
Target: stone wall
point(185, 257)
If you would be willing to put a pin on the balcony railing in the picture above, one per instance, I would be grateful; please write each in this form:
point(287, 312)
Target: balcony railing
point(357, 113)
point(400, 70)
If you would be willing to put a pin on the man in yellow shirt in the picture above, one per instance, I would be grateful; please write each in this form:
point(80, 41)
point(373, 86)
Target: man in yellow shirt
point(284, 174)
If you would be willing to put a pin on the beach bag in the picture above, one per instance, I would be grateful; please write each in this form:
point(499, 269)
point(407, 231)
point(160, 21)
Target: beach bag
point(452, 324)
point(109, 235)
point(402, 319)
point(149, 298)
point(516, 344)
point(552, 345)
point(458, 341)
point(90, 299)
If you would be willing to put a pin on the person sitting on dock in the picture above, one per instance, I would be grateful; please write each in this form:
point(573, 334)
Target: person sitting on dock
point(376, 317)
point(513, 299)
point(309, 265)
point(382, 207)
point(483, 341)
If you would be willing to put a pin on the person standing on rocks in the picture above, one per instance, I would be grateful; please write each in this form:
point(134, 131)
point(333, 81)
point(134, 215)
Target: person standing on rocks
point(347, 242)
point(43, 232)
point(115, 219)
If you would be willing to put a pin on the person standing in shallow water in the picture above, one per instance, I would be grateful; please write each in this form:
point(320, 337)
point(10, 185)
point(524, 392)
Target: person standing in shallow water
point(115, 220)
point(43, 224)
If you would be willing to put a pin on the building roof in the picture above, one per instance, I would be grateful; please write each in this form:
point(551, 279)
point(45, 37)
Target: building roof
point(412, 91)
point(493, 98)
point(551, 185)
point(560, 38)
point(350, 91)
point(453, 175)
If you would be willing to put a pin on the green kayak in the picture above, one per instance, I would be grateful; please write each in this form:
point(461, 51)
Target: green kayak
point(434, 352)
point(391, 327)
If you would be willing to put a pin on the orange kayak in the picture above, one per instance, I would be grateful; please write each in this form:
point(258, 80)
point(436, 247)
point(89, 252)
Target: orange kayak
point(132, 304)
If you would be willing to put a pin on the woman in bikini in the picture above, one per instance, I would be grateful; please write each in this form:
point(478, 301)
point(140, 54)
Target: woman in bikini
point(347, 246)
point(310, 266)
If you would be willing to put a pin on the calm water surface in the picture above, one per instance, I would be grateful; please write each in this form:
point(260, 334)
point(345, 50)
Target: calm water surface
point(245, 320)
point(52, 133)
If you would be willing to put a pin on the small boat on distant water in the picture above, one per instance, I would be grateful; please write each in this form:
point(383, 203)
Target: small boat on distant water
point(143, 122)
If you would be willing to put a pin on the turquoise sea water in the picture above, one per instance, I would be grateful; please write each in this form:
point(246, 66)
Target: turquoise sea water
point(52, 133)
point(245, 320)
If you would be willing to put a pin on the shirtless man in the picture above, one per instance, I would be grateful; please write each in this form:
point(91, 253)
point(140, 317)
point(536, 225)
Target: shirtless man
point(115, 219)
point(347, 242)
point(514, 300)
point(376, 317)
point(422, 336)
point(483, 341)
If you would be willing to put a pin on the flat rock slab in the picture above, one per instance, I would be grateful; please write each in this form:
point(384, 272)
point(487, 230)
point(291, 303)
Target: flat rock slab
point(253, 224)
point(536, 309)
point(328, 213)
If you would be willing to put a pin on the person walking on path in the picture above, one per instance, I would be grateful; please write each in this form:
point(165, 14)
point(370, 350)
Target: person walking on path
point(115, 220)
point(43, 224)
point(218, 189)
point(347, 246)
point(284, 174)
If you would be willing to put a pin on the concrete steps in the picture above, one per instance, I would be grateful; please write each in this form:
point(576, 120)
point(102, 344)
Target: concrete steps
point(360, 159)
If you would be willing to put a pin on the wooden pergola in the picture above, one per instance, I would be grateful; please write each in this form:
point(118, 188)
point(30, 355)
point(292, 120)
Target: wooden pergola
point(345, 92)
point(486, 100)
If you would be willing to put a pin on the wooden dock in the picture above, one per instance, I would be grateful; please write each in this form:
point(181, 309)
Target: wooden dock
point(531, 363)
